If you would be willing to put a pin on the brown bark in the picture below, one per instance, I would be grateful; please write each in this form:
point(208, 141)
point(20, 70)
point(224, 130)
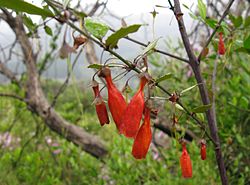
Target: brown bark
point(193, 61)
point(37, 102)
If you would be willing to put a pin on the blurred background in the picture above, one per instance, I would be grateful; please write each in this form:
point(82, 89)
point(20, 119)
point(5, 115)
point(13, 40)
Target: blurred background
point(31, 153)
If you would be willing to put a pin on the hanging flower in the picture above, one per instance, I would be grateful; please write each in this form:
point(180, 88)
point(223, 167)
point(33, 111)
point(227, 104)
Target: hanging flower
point(221, 45)
point(100, 106)
point(78, 41)
point(186, 164)
point(116, 101)
point(133, 113)
point(203, 149)
point(143, 138)
point(65, 50)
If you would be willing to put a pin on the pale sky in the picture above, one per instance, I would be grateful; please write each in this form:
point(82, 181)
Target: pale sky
point(128, 7)
point(135, 11)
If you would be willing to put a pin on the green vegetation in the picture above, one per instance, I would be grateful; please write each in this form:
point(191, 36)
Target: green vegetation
point(36, 155)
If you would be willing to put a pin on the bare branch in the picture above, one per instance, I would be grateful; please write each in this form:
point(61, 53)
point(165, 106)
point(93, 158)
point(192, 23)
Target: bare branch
point(9, 74)
point(38, 103)
point(13, 96)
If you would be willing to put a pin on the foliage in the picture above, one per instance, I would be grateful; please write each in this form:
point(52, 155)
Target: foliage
point(41, 164)
point(32, 154)
point(22, 6)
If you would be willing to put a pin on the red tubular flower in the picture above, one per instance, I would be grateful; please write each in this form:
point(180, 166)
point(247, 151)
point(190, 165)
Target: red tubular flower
point(186, 164)
point(100, 106)
point(221, 46)
point(143, 138)
point(116, 101)
point(203, 151)
point(133, 113)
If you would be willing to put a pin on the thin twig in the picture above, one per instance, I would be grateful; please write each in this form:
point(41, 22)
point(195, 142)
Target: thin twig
point(214, 87)
point(194, 63)
point(132, 67)
point(156, 50)
point(64, 85)
point(216, 28)
point(13, 96)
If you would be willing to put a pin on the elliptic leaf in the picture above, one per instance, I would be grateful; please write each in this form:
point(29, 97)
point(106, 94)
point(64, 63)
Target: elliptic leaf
point(96, 28)
point(95, 66)
point(164, 77)
point(202, 9)
point(202, 108)
point(150, 47)
point(22, 6)
point(113, 39)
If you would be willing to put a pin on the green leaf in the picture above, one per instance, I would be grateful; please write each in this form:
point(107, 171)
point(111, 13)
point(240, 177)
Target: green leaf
point(237, 21)
point(150, 47)
point(247, 22)
point(113, 39)
point(188, 89)
point(22, 6)
point(246, 43)
point(164, 77)
point(48, 30)
point(29, 23)
point(193, 16)
point(244, 102)
point(179, 107)
point(202, 108)
point(202, 9)
point(200, 116)
point(186, 6)
point(96, 28)
point(95, 66)
point(211, 23)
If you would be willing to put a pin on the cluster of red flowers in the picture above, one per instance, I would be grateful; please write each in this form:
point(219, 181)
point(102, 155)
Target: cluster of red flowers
point(127, 117)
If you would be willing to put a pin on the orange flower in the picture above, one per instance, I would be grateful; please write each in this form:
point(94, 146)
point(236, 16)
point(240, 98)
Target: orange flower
point(100, 106)
point(186, 164)
point(221, 46)
point(133, 113)
point(203, 151)
point(116, 101)
point(143, 138)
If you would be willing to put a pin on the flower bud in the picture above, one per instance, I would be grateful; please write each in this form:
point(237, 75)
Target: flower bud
point(100, 106)
point(143, 138)
point(185, 162)
point(221, 45)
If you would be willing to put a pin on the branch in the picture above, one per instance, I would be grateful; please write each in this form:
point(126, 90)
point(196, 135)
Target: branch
point(203, 92)
point(156, 50)
point(189, 135)
point(132, 67)
point(216, 28)
point(9, 74)
point(96, 6)
point(38, 103)
point(13, 96)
